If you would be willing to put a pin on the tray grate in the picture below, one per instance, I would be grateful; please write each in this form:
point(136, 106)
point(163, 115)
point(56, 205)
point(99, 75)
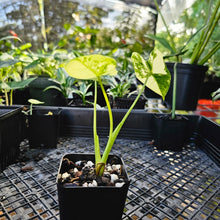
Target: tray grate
point(164, 184)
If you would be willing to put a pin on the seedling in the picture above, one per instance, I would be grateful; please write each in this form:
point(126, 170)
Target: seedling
point(153, 73)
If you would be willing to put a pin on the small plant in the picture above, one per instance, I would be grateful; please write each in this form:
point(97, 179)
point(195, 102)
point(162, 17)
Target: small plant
point(32, 102)
point(83, 92)
point(64, 83)
point(152, 73)
point(216, 95)
point(199, 55)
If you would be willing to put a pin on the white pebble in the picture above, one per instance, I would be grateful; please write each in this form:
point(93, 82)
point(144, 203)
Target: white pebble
point(119, 184)
point(78, 163)
point(109, 168)
point(65, 175)
point(116, 167)
point(113, 177)
point(85, 184)
point(75, 170)
point(93, 184)
point(90, 163)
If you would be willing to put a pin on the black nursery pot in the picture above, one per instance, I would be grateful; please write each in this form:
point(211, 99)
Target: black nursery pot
point(170, 134)
point(189, 82)
point(126, 102)
point(43, 128)
point(83, 203)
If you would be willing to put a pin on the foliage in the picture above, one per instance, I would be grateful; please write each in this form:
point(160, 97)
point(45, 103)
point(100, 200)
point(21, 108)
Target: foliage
point(198, 52)
point(216, 95)
point(152, 73)
point(83, 91)
point(64, 83)
point(11, 69)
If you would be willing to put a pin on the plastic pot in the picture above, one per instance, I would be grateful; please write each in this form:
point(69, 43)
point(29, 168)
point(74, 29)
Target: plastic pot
point(189, 82)
point(50, 97)
point(83, 203)
point(43, 128)
point(170, 134)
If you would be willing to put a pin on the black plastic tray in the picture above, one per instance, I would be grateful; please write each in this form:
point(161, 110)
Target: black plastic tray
point(164, 184)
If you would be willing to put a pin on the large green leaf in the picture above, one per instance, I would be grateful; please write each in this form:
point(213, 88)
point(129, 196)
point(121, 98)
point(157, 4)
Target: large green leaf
point(20, 84)
point(91, 67)
point(155, 70)
point(162, 41)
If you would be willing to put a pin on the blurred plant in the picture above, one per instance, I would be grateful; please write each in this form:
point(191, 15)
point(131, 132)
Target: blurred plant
point(83, 91)
point(64, 83)
point(216, 95)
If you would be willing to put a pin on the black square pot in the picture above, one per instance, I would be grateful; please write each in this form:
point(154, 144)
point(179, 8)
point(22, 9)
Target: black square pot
point(83, 203)
point(189, 83)
point(170, 134)
point(11, 128)
point(43, 130)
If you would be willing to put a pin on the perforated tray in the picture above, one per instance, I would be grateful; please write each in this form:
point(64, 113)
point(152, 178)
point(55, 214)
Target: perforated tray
point(164, 184)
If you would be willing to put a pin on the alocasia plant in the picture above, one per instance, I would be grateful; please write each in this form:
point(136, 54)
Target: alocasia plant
point(152, 73)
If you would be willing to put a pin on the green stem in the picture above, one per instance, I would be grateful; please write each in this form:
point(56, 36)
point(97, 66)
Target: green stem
point(118, 128)
point(206, 35)
point(166, 26)
point(11, 96)
point(6, 97)
point(96, 137)
point(101, 165)
point(209, 55)
point(174, 90)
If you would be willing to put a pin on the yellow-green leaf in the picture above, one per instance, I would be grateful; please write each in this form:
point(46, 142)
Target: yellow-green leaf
point(155, 70)
point(91, 67)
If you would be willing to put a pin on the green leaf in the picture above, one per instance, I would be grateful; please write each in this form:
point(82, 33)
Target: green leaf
point(155, 70)
point(20, 84)
point(162, 41)
point(35, 101)
point(91, 67)
point(7, 63)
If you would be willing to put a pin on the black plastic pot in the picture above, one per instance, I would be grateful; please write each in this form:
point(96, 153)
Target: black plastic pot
point(43, 129)
point(50, 97)
point(189, 81)
point(170, 134)
point(126, 102)
point(10, 135)
point(83, 203)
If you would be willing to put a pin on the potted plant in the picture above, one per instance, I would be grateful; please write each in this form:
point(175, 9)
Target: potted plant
point(123, 92)
point(42, 125)
point(44, 65)
point(152, 73)
point(170, 130)
point(63, 84)
point(192, 73)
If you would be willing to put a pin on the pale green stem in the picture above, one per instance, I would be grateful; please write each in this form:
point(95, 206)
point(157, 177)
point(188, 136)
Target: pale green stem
point(11, 96)
point(174, 90)
point(205, 36)
point(96, 138)
point(6, 97)
point(166, 26)
point(209, 55)
point(100, 165)
point(118, 128)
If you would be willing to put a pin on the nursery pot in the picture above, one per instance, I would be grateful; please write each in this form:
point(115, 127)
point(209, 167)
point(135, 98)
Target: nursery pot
point(100, 202)
point(189, 81)
point(50, 97)
point(126, 102)
point(43, 128)
point(170, 134)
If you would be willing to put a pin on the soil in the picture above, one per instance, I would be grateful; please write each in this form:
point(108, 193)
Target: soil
point(82, 173)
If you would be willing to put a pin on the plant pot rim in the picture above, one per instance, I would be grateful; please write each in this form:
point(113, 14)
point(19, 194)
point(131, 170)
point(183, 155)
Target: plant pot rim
point(127, 179)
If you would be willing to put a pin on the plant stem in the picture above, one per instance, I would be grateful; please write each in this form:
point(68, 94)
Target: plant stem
point(11, 96)
point(166, 26)
point(118, 128)
point(174, 90)
point(96, 137)
point(6, 97)
point(101, 165)
point(206, 34)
